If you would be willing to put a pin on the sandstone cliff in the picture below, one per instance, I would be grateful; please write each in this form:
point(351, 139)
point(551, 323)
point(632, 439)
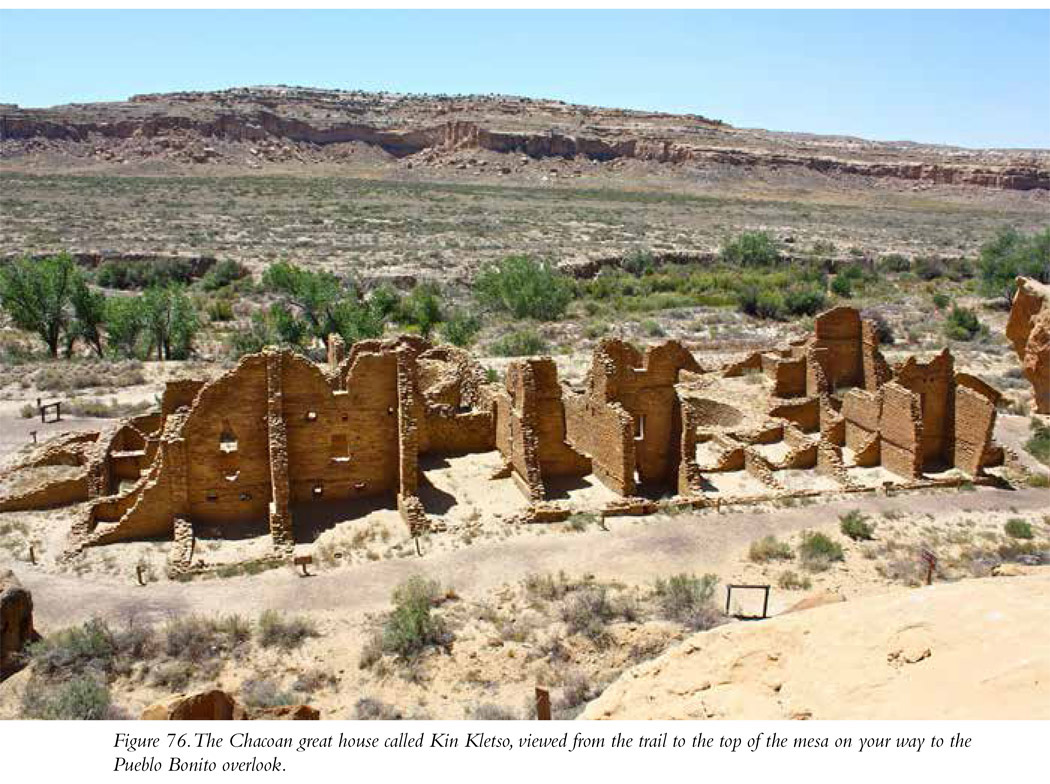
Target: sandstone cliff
point(188, 128)
point(1029, 331)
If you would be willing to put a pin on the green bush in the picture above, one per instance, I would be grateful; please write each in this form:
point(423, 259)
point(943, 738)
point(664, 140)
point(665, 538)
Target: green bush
point(763, 302)
point(1018, 528)
point(222, 274)
point(842, 285)
point(818, 550)
point(524, 288)
point(856, 526)
point(941, 300)
point(422, 308)
point(805, 300)
point(883, 329)
point(687, 599)
point(126, 274)
point(963, 324)
point(1038, 443)
point(525, 343)
point(638, 262)
point(461, 328)
point(220, 310)
point(769, 548)
point(412, 627)
point(750, 249)
point(653, 329)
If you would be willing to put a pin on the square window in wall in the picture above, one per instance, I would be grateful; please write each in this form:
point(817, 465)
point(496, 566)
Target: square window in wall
point(212, 496)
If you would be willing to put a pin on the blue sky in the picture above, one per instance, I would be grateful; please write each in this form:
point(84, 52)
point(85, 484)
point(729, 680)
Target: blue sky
point(974, 78)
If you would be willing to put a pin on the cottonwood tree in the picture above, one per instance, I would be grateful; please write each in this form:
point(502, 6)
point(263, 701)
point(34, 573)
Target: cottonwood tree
point(1010, 254)
point(170, 320)
point(38, 296)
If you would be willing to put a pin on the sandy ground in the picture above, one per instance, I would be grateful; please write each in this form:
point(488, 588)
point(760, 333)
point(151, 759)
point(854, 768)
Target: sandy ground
point(978, 649)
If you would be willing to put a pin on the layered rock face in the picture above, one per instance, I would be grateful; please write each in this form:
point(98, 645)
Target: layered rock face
point(1029, 331)
point(16, 622)
point(185, 127)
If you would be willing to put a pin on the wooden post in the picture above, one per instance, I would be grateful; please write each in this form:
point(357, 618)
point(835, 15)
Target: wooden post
point(418, 551)
point(543, 704)
point(138, 574)
point(32, 556)
point(33, 434)
point(931, 563)
point(303, 561)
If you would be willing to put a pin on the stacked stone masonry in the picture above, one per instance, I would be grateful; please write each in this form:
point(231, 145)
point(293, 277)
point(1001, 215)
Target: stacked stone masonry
point(279, 437)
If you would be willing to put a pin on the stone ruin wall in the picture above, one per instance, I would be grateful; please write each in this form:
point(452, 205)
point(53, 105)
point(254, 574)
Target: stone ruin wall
point(279, 435)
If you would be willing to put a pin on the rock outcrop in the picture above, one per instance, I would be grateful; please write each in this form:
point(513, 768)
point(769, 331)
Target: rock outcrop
point(928, 653)
point(267, 124)
point(1029, 331)
point(16, 622)
point(217, 705)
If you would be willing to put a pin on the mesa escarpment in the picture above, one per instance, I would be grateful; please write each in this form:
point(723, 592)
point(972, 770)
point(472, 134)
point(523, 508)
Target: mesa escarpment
point(254, 126)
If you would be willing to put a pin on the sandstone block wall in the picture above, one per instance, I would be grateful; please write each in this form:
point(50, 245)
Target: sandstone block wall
point(1028, 330)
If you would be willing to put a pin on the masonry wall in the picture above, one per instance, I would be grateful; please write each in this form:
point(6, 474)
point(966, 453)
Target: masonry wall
point(900, 426)
point(933, 382)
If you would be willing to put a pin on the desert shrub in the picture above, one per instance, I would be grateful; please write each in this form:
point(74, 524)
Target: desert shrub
point(842, 285)
point(222, 274)
point(894, 262)
point(941, 300)
point(275, 631)
point(100, 409)
point(588, 611)
point(461, 328)
point(196, 638)
point(79, 698)
point(489, 712)
point(750, 249)
point(1038, 443)
point(519, 344)
point(491, 375)
point(172, 675)
point(371, 709)
point(928, 268)
point(792, 581)
point(412, 627)
point(219, 310)
point(126, 274)
point(1009, 254)
point(769, 548)
point(524, 288)
point(90, 646)
point(264, 693)
point(653, 329)
point(805, 300)
point(687, 599)
point(856, 526)
point(638, 261)
point(963, 324)
point(762, 301)
point(1018, 528)
point(548, 587)
point(818, 550)
point(576, 690)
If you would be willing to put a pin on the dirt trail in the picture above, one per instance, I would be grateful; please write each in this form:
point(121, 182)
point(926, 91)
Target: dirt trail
point(633, 551)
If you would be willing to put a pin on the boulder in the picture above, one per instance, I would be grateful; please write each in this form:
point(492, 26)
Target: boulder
point(217, 705)
point(1028, 329)
point(214, 705)
point(16, 622)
